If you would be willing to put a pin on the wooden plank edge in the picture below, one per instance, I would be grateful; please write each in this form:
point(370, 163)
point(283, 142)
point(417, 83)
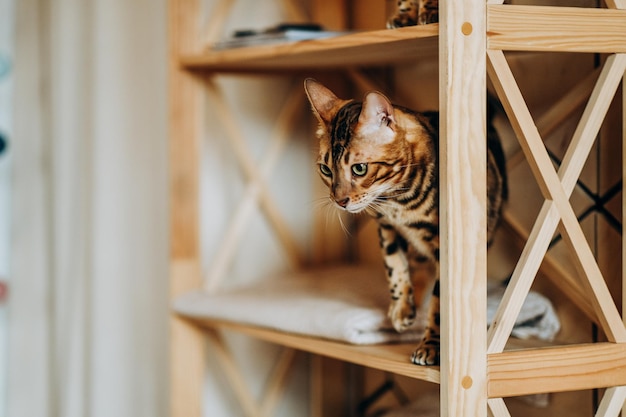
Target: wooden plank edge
point(357, 49)
point(552, 29)
point(556, 369)
point(394, 358)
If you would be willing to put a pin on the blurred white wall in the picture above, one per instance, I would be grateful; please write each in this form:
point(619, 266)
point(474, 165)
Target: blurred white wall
point(88, 304)
point(6, 84)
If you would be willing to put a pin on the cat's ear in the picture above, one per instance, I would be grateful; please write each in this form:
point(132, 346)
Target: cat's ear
point(324, 102)
point(377, 112)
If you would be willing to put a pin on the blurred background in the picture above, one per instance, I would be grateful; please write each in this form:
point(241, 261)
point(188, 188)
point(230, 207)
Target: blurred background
point(83, 108)
point(84, 203)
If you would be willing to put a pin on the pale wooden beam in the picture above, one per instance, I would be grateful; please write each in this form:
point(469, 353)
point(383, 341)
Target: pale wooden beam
point(233, 374)
point(616, 4)
point(564, 29)
point(556, 369)
point(497, 408)
point(556, 206)
point(256, 190)
point(216, 21)
point(276, 384)
point(553, 270)
point(462, 94)
point(186, 341)
point(612, 402)
point(559, 112)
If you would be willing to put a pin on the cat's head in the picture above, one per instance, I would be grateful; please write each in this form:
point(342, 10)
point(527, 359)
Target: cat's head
point(360, 153)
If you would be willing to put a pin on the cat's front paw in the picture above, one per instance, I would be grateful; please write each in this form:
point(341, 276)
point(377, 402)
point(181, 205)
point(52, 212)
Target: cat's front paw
point(427, 353)
point(428, 12)
point(402, 314)
point(401, 20)
point(428, 16)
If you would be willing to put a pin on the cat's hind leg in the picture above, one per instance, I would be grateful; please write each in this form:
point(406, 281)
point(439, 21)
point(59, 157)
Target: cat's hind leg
point(394, 249)
point(427, 351)
point(424, 272)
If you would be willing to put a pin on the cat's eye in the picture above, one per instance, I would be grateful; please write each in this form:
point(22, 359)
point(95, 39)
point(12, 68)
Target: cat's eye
point(359, 169)
point(325, 170)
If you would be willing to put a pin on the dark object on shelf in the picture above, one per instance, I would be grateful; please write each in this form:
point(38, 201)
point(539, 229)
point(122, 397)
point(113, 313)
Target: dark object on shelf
point(284, 32)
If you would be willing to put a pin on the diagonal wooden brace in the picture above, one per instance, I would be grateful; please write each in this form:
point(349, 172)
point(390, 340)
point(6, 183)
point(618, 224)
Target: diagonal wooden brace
point(612, 402)
point(497, 408)
point(234, 375)
point(556, 188)
point(256, 190)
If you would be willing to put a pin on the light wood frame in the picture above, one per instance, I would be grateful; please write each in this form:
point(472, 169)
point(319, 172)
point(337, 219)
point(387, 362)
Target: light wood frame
point(476, 372)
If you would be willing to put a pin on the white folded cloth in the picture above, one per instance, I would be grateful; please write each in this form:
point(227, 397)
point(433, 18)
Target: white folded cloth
point(344, 303)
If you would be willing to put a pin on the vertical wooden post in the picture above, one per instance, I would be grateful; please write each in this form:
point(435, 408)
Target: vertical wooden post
point(462, 95)
point(187, 361)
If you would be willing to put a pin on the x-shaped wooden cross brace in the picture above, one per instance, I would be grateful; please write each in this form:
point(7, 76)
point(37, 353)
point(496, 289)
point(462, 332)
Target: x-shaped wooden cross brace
point(256, 191)
point(556, 187)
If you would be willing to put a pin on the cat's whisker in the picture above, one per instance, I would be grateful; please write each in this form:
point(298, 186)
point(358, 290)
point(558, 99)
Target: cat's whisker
point(343, 225)
point(321, 202)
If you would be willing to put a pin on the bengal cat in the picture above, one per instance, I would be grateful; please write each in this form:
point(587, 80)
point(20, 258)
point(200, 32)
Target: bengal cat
point(382, 159)
point(414, 12)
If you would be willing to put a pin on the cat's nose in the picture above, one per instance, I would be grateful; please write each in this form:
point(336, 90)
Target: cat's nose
point(343, 202)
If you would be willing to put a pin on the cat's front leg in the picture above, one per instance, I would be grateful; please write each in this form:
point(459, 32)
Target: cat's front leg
point(427, 351)
point(405, 15)
point(428, 12)
point(402, 306)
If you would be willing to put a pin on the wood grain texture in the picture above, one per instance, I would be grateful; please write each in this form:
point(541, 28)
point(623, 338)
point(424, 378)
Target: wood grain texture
point(392, 358)
point(216, 21)
point(468, 375)
point(616, 4)
point(556, 189)
point(184, 127)
point(187, 348)
point(553, 270)
point(497, 408)
point(556, 369)
point(612, 402)
point(256, 190)
point(233, 374)
point(462, 95)
point(187, 360)
point(573, 29)
point(375, 48)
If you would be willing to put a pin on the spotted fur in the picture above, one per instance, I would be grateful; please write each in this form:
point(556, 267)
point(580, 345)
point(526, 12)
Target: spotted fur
point(414, 12)
point(382, 159)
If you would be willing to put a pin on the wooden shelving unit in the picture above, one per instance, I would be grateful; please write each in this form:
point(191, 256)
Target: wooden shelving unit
point(476, 372)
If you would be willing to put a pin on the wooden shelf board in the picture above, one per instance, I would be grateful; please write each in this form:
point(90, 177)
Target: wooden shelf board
point(526, 367)
point(374, 48)
point(391, 357)
point(510, 27)
point(556, 368)
point(552, 29)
